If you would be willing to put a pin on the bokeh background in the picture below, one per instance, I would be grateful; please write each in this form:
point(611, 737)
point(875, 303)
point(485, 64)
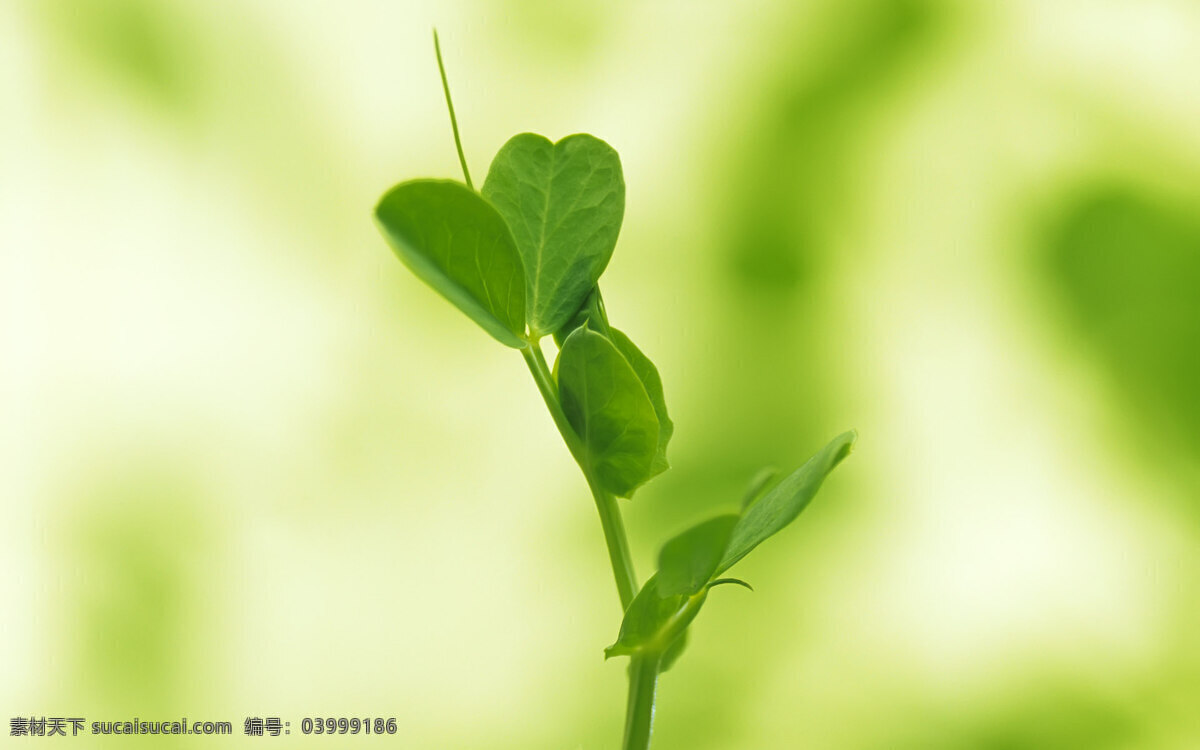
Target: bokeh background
point(249, 466)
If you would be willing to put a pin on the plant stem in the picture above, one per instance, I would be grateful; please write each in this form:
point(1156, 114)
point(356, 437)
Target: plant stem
point(606, 504)
point(643, 668)
point(639, 710)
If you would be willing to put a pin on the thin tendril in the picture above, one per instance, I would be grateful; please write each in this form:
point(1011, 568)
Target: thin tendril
point(437, 48)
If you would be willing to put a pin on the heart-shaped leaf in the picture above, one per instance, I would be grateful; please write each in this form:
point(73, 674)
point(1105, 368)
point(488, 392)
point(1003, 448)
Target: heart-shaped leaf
point(608, 408)
point(457, 243)
point(687, 562)
point(785, 501)
point(564, 203)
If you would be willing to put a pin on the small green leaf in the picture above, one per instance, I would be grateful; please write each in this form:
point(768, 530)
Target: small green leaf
point(593, 315)
point(607, 406)
point(654, 622)
point(647, 614)
point(564, 203)
point(687, 562)
point(783, 503)
point(455, 242)
point(758, 486)
point(652, 382)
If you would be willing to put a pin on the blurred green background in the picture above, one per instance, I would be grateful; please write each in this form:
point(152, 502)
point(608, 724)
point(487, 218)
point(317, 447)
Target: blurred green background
point(250, 466)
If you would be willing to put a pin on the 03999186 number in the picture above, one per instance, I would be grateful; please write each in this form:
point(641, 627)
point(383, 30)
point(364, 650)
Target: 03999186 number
point(318, 725)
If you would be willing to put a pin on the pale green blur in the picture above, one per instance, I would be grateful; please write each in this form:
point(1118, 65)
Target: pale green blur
point(250, 466)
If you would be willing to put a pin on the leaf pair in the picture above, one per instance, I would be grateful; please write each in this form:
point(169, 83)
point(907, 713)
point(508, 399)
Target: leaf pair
point(691, 563)
point(529, 250)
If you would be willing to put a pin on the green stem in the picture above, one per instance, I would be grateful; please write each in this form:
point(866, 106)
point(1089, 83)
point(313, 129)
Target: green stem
point(643, 668)
point(606, 504)
point(639, 710)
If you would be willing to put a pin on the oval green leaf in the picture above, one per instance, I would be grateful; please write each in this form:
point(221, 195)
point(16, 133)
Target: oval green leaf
point(457, 243)
point(564, 203)
point(592, 314)
point(652, 382)
point(687, 562)
point(608, 408)
point(785, 501)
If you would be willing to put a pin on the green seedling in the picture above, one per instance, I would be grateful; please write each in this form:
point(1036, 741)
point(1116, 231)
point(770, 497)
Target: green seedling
point(522, 258)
